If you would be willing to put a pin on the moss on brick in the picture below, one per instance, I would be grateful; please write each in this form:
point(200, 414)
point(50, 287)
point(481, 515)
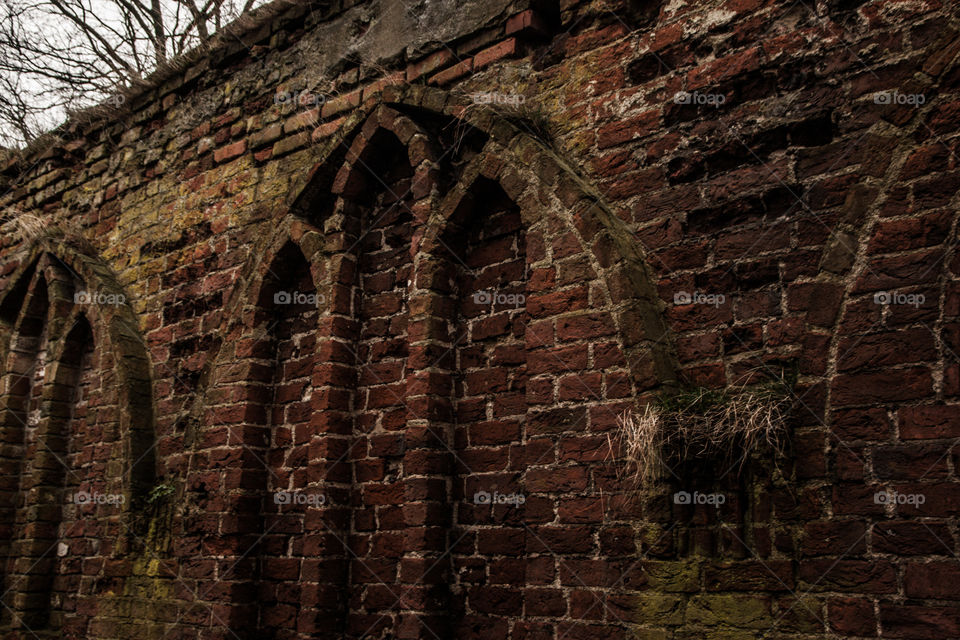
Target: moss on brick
point(740, 611)
point(660, 609)
point(679, 576)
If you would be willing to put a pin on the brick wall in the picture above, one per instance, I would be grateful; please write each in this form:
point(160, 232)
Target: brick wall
point(327, 333)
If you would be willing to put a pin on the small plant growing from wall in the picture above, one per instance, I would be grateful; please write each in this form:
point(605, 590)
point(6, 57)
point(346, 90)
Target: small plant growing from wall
point(160, 493)
point(152, 517)
point(21, 227)
point(695, 425)
point(514, 106)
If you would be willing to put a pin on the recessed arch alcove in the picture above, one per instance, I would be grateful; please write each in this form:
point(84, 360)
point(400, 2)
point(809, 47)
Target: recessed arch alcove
point(411, 392)
point(77, 427)
point(510, 219)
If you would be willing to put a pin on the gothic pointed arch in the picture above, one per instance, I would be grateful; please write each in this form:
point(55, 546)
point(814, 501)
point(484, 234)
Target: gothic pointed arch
point(251, 435)
point(70, 342)
point(25, 320)
point(506, 219)
point(286, 313)
point(348, 397)
point(53, 478)
point(501, 149)
point(379, 199)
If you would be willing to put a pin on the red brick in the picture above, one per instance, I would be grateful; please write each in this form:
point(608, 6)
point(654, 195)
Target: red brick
point(865, 388)
point(230, 151)
point(929, 421)
point(499, 51)
point(919, 621)
point(935, 580)
point(552, 480)
point(528, 21)
point(638, 126)
point(455, 72)
point(429, 64)
point(852, 616)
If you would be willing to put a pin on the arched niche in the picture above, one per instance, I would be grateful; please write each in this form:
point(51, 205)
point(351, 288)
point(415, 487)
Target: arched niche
point(69, 336)
point(584, 280)
point(389, 388)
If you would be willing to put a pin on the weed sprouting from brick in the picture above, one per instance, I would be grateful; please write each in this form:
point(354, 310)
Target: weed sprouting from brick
point(23, 226)
point(727, 425)
point(529, 116)
point(533, 119)
point(160, 493)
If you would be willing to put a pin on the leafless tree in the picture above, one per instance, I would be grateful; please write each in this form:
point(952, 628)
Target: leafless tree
point(58, 56)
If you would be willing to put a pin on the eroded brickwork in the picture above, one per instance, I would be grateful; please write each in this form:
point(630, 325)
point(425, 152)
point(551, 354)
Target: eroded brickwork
point(327, 334)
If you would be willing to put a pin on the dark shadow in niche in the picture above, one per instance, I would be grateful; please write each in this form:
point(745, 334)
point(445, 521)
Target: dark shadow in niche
point(63, 416)
point(485, 253)
point(13, 301)
point(377, 199)
point(286, 322)
point(23, 361)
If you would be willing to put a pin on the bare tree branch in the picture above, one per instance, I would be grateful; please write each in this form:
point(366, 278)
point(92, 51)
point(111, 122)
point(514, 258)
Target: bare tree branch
point(58, 56)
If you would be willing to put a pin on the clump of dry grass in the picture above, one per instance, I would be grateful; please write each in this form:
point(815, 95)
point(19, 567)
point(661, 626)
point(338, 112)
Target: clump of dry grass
point(727, 425)
point(642, 435)
point(21, 226)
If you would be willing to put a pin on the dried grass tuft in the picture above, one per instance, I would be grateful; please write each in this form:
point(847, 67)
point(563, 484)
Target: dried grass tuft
point(20, 226)
point(726, 425)
point(642, 436)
